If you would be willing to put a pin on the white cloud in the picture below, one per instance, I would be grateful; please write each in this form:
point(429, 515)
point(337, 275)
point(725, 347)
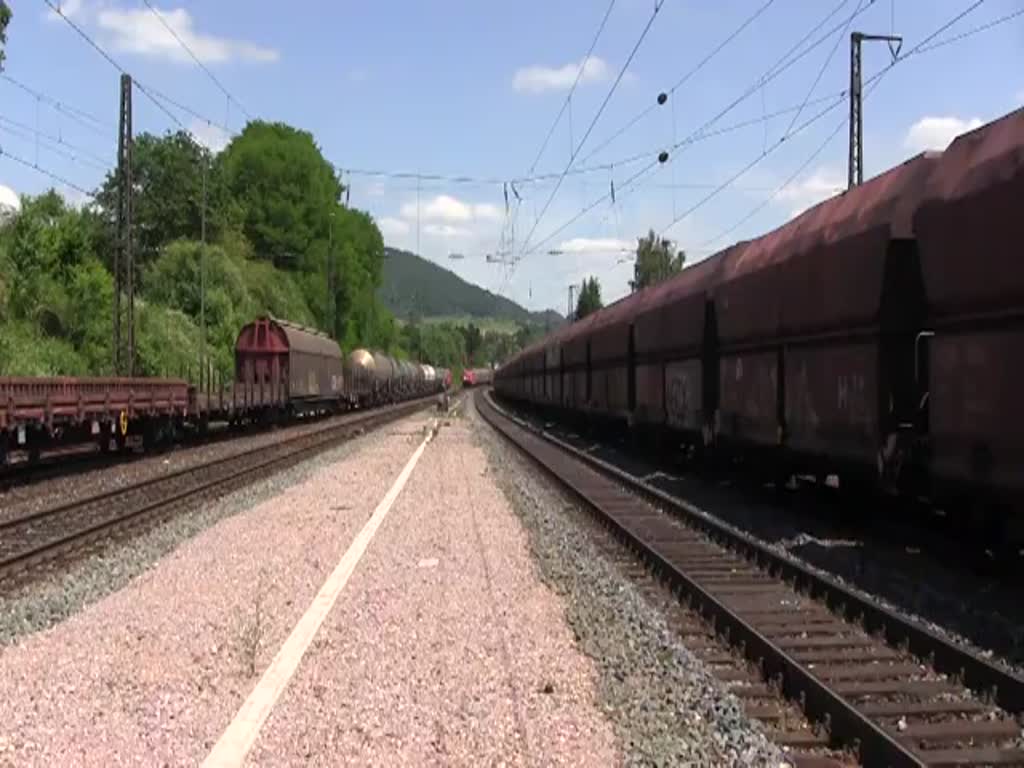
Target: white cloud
point(138, 30)
point(9, 199)
point(937, 132)
point(595, 244)
point(486, 212)
point(539, 79)
point(820, 185)
point(213, 137)
point(392, 227)
point(446, 230)
point(440, 208)
point(448, 209)
point(68, 7)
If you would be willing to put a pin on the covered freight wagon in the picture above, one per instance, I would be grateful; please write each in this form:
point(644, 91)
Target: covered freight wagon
point(969, 234)
point(286, 365)
point(816, 324)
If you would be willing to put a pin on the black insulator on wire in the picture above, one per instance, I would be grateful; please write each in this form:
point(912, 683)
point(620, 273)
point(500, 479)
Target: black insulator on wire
point(662, 97)
point(662, 156)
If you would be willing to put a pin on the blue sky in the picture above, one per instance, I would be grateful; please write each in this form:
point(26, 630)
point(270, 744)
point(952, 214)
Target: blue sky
point(472, 88)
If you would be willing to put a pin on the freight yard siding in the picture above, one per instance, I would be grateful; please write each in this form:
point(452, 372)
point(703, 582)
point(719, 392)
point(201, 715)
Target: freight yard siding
point(282, 371)
point(441, 634)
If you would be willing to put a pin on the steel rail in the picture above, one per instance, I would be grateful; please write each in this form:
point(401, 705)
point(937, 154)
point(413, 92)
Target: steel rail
point(877, 745)
point(285, 452)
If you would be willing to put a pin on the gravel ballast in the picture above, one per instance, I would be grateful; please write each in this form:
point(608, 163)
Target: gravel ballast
point(149, 674)
point(666, 706)
point(445, 648)
point(52, 598)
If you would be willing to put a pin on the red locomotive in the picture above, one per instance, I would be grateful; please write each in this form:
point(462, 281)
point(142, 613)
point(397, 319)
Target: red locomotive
point(477, 377)
point(878, 337)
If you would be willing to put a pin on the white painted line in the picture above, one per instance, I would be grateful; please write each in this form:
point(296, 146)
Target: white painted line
point(234, 744)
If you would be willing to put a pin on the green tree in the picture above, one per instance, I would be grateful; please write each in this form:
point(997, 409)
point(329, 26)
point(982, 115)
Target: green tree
point(473, 340)
point(443, 345)
point(524, 335)
point(285, 187)
point(44, 244)
point(357, 253)
point(655, 261)
point(590, 298)
point(5, 18)
point(168, 204)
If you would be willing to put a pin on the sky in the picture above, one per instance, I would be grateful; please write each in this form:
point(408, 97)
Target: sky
point(464, 94)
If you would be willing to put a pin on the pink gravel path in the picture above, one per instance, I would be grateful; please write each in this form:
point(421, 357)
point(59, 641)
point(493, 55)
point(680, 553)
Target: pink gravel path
point(444, 649)
point(151, 675)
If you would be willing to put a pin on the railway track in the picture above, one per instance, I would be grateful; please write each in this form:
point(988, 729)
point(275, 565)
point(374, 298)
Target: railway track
point(35, 539)
point(874, 682)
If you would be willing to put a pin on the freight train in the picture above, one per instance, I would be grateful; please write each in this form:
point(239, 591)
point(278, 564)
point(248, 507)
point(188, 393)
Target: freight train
point(282, 371)
point(876, 340)
point(477, 377)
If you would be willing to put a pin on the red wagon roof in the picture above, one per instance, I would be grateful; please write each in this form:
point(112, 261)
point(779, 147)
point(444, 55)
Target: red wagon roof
point(282, 335)
point(971, 229)
point(824, 269)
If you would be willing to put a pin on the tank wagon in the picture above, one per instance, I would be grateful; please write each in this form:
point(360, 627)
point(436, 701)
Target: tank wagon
point(375, 378)
point(477, 377)
point(878, 337)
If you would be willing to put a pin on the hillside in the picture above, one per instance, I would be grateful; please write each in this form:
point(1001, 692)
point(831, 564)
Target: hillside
point(413, 285)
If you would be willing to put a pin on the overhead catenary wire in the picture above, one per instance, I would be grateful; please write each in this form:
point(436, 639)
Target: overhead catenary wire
point(112, 61)
point(923, 46)
point(969, 33)
point(196, 59)
point(78, 152)
point(191, 112)
point(45, 171)
point(793, 55)
point(781, 65)
point(871, 84)
point(824, 67)
point(611, 91)
point(80, 116)
point(572, 90)
point(53, 147)
point(682, 80)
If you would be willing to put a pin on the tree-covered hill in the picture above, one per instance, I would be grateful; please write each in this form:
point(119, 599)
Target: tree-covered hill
point(412, 286)
point(278, 241)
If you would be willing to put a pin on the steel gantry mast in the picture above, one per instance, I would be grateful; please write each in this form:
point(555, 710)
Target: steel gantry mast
point(856, 164)
point(124, 261)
